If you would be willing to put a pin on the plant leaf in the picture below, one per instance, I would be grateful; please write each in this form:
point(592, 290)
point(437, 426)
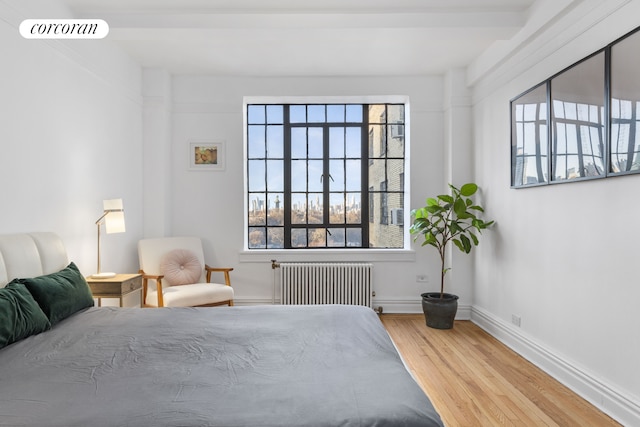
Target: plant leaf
point(455, 228)
point(466, 243)
point(459, 207)
point(468, 189)
point(446, 198)
point(458, 243)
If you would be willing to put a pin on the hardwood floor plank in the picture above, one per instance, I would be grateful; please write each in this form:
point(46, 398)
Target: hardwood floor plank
point(475, 380)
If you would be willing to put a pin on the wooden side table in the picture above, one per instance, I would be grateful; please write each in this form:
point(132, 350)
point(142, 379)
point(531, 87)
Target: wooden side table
point(115, 287)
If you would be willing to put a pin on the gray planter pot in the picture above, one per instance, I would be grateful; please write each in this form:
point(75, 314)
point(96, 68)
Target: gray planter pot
point(439, 313)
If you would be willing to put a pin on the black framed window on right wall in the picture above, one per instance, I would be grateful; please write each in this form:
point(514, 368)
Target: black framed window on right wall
point(582, 123)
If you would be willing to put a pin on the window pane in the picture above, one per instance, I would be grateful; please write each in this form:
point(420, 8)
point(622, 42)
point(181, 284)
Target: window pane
point(336, 237)
point(316, 113)
point(317, 237)
point(395, 174)
point(299, 238)
point(298, 113)
point(336, 142)
point(337, 212)
point(354, 113)
point(354, 237)
point(298, 143)
point(395, 141)
point(275, 141)
point(354, 175)
point(275, 209)
point(314, 208)
point(298, 175)
point(257, 238)
point(275, 175)
point(377, 171)
point(395, 113)
point(255, 114)
point(377, 114)
point(378, 142)
point(257, 172)
point(257, 213)
point(275, 238)
point(275, 114)
point(335, 113)
point(314, 179)
point(315, 143)
point(298, 208)
point(354, 142)
point(336, 169)
point(256, 141)
point(353, 210)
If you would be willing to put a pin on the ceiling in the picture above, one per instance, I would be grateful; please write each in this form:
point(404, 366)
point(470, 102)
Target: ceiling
point(307, 38)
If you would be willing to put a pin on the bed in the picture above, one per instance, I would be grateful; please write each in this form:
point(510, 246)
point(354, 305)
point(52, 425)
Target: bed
point(329, 365)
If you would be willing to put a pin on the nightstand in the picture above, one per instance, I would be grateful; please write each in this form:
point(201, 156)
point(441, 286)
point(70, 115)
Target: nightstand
point(115, 287)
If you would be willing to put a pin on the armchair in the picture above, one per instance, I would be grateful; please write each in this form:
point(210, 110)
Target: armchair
point(174, 274)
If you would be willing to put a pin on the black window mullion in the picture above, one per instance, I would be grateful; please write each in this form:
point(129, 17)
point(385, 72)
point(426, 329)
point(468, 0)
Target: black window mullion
point(364, 179)
point(287, 178)
point(326, 177)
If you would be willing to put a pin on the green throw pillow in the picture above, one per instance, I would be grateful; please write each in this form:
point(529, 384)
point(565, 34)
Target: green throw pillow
point(60, 294)
point(20, 314)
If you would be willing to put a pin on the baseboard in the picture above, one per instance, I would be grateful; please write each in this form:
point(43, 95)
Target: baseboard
point(399, 306)
point(414, 306)
point(617, 405)
point(253, 301)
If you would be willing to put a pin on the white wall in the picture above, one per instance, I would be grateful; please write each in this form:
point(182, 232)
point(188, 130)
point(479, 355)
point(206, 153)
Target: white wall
point(210, 203)
point(564, 258)
point(70, 137)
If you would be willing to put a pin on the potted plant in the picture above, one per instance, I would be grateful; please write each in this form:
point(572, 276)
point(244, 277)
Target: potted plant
point(447, 218)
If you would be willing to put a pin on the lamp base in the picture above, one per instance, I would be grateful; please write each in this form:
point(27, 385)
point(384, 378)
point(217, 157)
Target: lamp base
point(103, 275)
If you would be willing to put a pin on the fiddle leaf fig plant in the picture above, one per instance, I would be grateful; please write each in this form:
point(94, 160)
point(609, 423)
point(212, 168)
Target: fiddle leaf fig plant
point(449, 218)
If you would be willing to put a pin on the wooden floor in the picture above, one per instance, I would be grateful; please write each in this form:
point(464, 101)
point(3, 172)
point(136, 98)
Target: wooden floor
point(474, 380)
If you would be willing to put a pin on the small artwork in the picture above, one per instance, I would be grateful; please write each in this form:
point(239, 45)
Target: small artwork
point(206, 156)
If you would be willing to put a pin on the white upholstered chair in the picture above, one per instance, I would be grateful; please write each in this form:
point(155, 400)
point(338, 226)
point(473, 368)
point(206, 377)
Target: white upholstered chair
point(174, 274)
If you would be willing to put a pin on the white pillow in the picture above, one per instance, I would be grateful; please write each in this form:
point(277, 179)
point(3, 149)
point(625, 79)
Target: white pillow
point(181, 267)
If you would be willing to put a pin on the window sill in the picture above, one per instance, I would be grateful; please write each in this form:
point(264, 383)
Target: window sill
point(327, 255)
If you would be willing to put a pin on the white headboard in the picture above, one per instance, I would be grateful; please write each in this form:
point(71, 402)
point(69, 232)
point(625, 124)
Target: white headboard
point(30, 255)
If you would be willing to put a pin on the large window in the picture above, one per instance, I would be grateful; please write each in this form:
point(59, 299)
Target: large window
point(325, 175)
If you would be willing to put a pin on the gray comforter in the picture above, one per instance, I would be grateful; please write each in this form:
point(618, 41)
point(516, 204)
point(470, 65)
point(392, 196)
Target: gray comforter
point(236, 366)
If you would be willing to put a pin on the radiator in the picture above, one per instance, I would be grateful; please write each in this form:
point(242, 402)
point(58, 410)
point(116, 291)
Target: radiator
point(326, 283)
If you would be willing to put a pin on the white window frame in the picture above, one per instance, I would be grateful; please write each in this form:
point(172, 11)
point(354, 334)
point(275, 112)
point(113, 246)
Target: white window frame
point(323, 254)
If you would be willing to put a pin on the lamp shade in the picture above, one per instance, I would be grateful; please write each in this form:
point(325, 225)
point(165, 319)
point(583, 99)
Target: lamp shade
point(114, 220)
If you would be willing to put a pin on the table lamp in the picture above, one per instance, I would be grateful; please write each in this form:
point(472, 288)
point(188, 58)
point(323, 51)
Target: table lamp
point(113, 219)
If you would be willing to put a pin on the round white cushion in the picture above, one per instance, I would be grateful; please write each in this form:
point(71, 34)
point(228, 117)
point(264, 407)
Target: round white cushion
point(180, 267)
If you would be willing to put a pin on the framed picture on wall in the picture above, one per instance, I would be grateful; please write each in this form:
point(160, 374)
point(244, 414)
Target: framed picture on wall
point(206, 155)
